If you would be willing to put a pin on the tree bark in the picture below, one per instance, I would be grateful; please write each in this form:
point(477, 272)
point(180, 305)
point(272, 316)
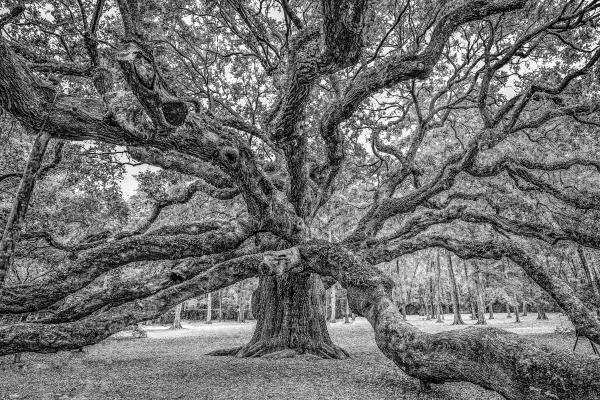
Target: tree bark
point(491, 310)
point(524, 308)
point(290, 319)
point(508, 315)
point(541, 310)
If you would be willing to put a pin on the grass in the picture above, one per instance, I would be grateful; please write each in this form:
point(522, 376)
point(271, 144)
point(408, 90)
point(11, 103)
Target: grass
point(173, 365)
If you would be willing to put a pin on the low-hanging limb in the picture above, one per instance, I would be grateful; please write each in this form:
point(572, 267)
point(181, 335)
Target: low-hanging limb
point(494, 359)
point(49, 338)
point(586, 321)
point(94, 262)
point(130, 283)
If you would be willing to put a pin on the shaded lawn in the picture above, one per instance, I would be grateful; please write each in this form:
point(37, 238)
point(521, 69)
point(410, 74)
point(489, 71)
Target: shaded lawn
point(173, 365)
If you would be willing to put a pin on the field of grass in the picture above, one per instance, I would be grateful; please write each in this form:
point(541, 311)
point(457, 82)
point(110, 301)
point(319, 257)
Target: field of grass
point(173, 365)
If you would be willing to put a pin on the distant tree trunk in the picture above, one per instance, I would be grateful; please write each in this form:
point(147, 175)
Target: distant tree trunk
point(401, 290)
point(289, 319)
point(410, 288)
point(454, 292)
point(491, 310)
point(588, 274)
point(469, 291)
point(517, 318)
point(177, 318)
point(479, 292)
point(541, 310)
point(574, 268)
point(524, 308)
point(138, 331)
point(240, 298)
point(508, 315)
point(431, 298)
point(438, 284)
point(332, 304)
point(347, 313)
point(209, 308)
point(220, 305)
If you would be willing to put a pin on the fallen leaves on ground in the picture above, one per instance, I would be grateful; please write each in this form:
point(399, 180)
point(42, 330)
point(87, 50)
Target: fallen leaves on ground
point(171, 364)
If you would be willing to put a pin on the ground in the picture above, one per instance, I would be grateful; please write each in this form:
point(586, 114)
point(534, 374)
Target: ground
point(173, 365)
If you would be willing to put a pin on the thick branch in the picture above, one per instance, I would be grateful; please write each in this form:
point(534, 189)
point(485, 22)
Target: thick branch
point(38, 337)
point(497, 360)
point(94, 262)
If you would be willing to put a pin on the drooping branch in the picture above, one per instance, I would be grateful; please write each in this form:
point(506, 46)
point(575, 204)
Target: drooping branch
point(47, 338)
point(585, 320)
point(172, 160)
point(521, 168)
point(515, 367)
point(94, 262)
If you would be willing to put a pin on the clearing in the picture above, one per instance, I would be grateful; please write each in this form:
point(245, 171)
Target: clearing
point(173, 365)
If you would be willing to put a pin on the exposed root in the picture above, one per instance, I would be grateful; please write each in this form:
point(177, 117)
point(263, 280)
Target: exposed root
point(261, 349)
point(289, 353)
point(224, 352)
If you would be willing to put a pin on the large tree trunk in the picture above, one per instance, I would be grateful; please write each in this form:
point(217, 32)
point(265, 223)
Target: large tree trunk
point(454, 292)
point(290, 319)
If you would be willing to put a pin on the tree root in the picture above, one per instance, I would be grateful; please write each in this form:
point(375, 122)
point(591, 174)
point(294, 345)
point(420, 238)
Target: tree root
point(261, 349)
point(224, 352)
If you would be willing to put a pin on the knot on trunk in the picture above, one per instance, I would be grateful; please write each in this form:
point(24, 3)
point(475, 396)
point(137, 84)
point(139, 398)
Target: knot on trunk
point(280, 262)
